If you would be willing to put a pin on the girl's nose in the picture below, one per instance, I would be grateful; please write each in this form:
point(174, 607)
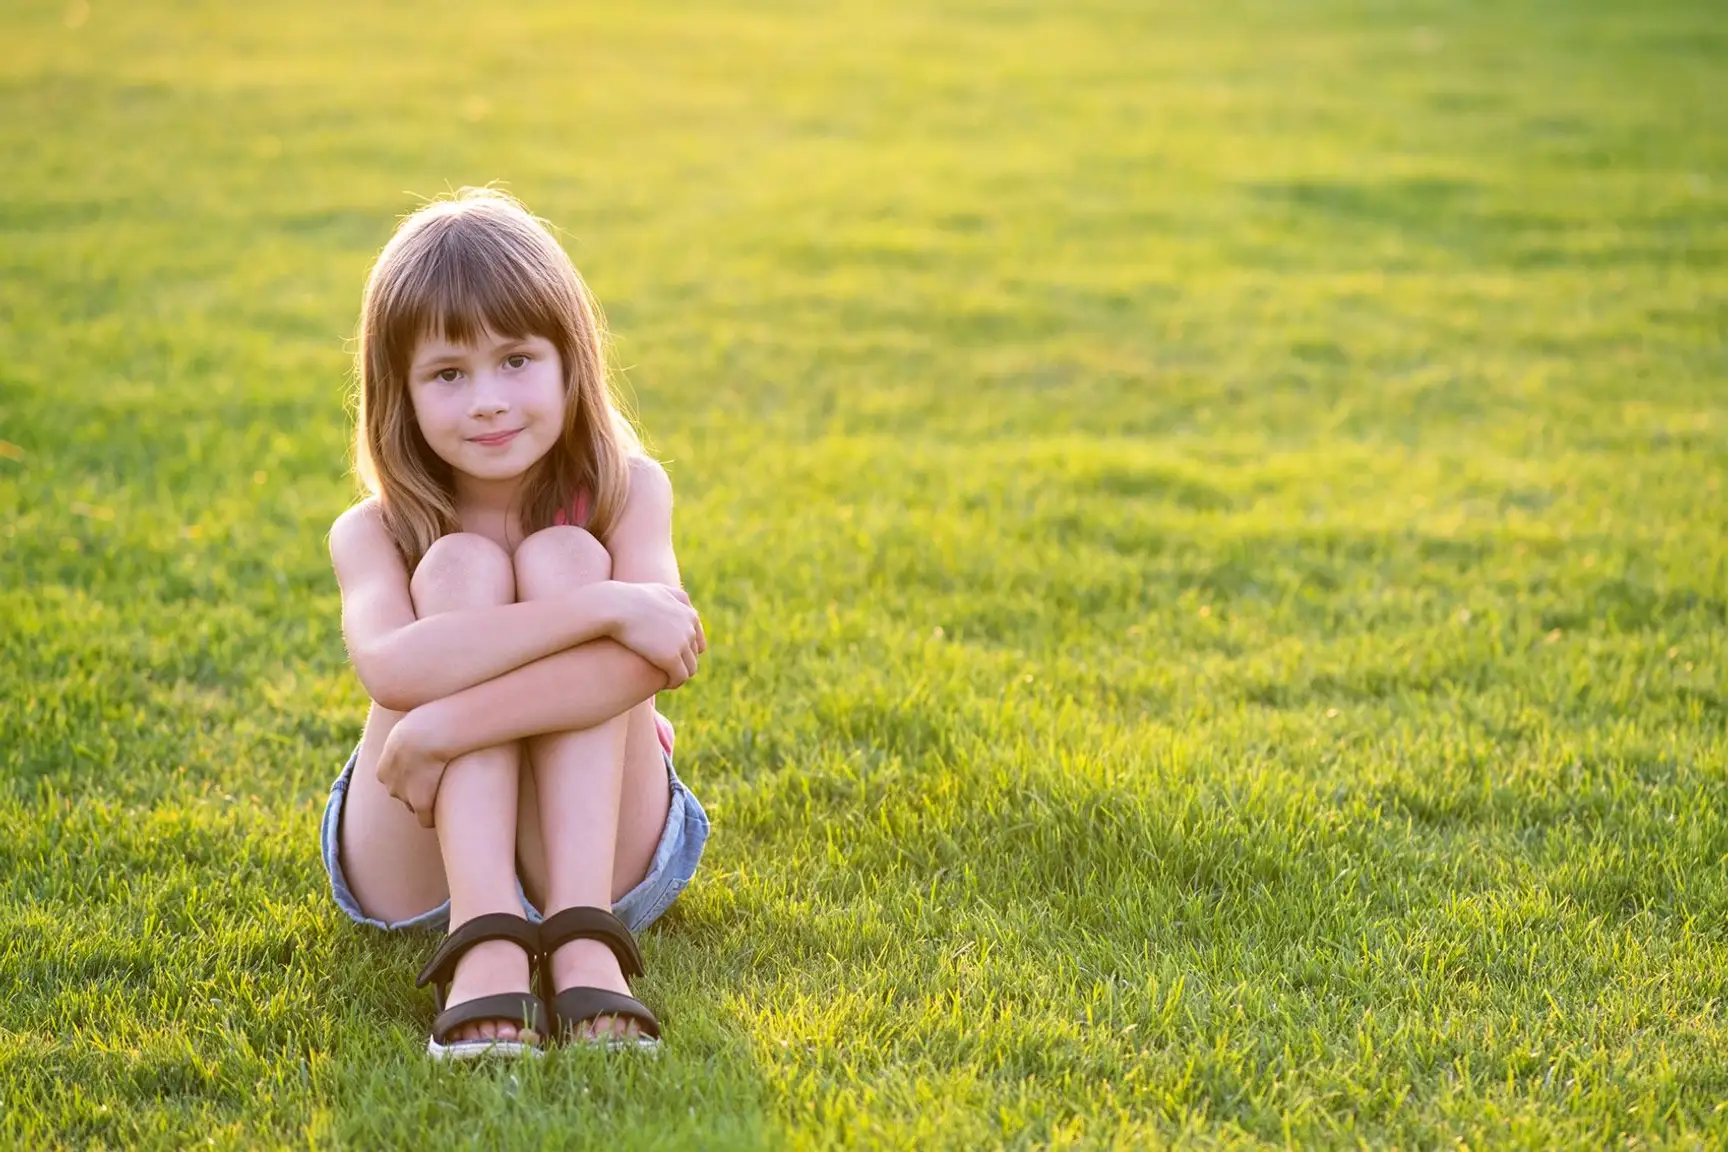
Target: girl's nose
point(488, 401)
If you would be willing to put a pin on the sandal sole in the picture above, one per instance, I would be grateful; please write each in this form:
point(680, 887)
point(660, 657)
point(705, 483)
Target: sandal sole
point(483, 1049)
point(647, 1045)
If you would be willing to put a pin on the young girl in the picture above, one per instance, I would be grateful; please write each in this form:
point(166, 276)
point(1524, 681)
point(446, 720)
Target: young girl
point(511, 602)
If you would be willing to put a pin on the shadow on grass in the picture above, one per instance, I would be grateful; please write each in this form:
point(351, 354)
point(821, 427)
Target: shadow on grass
point(699, 1090)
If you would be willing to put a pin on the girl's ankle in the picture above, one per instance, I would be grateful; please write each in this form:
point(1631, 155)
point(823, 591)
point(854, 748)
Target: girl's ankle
point(587, 963)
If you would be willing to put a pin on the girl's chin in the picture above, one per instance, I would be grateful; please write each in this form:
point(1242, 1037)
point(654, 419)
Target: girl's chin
point(512, 467)
point(496, 473)
point(478, 462)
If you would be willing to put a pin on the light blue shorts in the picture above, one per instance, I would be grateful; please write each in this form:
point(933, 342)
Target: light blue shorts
point(674, 863)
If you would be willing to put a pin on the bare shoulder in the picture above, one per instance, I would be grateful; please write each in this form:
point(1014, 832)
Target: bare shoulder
point(356, 527)
point(360, 544)
point(649, 501)
point(649, 483)
point(641, 541)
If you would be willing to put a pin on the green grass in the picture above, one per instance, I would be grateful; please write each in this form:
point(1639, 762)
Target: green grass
point(1210, 518)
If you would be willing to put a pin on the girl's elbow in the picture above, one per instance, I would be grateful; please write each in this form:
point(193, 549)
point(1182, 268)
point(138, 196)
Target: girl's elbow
point(652, 680)
point(388, 694)
point(642, 676)
point(386, 688)
point(395, 701)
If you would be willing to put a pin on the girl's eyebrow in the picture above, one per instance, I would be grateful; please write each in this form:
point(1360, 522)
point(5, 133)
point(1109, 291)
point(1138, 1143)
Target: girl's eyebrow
point(434, 359)
point(448, 354)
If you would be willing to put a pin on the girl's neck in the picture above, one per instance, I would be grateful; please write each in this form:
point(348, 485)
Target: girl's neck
point(486, 498)
point(487, 508)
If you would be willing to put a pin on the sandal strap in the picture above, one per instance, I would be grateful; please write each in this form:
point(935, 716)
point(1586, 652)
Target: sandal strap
point(522, 1008)
point(491, 926)
point(588, 923)
point(579, 1005)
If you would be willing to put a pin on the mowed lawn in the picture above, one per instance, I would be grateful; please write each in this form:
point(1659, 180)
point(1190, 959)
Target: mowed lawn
point(1210, 519)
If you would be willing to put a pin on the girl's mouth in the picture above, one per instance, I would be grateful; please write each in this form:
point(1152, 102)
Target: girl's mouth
point(496, 438)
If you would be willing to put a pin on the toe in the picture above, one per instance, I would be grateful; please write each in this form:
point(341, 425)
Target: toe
point(612, 1028)
point(491, 1031)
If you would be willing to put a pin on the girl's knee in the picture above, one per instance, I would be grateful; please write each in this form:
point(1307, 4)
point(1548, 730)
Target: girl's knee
point(555, 558)
point(462, 569)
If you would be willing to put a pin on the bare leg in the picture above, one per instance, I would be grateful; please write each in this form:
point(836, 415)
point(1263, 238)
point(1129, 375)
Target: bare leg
point(392, 864)
point(641, 813)
point(601, 792)
point(396, 873)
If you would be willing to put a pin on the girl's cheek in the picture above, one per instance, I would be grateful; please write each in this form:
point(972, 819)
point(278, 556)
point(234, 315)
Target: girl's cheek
point(432, 419)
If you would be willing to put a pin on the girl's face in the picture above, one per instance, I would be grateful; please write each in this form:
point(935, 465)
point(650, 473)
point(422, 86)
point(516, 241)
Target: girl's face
point(488, 409)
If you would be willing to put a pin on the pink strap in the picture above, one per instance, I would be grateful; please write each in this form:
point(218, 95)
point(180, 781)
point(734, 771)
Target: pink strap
point(580, 510)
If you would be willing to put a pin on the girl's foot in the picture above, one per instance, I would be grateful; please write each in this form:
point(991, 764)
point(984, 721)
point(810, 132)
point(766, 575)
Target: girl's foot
point(591, 964)
point(489, 967)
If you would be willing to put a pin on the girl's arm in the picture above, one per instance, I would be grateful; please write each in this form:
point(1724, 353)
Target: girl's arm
point(607, 678)
point(405, 662)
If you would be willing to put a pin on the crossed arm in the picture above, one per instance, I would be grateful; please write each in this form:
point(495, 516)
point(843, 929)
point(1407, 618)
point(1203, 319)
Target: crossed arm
point(474, 678)
point(532, 699)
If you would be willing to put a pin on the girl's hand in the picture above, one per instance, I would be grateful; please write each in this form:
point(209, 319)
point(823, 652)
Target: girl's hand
point(656, 622)
point(410, 770)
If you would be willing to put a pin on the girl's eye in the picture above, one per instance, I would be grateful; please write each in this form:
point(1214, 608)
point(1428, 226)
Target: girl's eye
point(516, 360)
point(448, 375)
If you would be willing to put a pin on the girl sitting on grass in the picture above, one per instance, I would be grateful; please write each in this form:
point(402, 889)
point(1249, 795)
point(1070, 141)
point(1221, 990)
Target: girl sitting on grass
point(511, 602)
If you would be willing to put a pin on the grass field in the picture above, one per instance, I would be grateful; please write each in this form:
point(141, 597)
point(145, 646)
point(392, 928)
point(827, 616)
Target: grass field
point(1210, 518)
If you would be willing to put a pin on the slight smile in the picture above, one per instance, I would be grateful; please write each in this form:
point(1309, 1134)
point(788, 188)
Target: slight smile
point(495, 439)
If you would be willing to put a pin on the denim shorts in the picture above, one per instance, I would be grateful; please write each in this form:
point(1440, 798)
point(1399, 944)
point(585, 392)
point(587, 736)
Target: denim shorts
point(674, 863)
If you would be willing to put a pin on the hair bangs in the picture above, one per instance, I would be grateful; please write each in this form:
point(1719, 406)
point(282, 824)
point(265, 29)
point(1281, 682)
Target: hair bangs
point(470, 282)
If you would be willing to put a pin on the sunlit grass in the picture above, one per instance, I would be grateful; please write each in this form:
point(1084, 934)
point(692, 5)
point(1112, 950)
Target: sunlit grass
point(1210, 519)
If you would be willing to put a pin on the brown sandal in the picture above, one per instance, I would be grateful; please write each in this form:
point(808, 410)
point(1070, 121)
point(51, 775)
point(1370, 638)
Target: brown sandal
point(576, 1006)
point(523, 1006)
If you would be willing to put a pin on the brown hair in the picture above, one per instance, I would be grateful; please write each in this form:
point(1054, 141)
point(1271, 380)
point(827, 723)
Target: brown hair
point(456, 268)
